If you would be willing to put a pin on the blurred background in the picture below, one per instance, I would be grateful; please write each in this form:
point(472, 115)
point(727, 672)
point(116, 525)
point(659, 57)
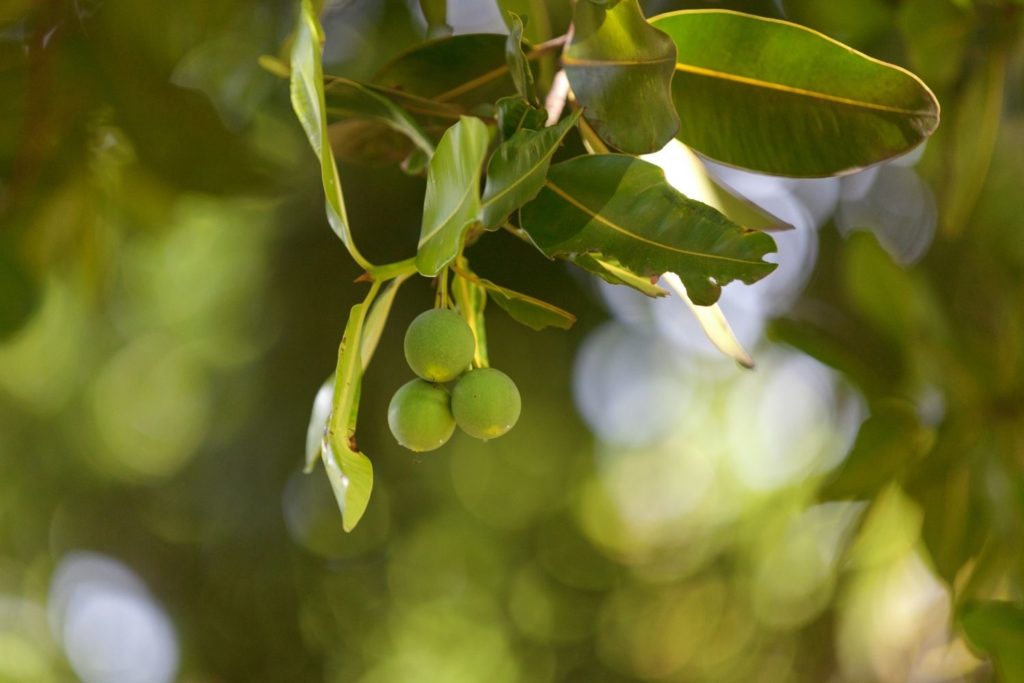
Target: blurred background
point(171, 299)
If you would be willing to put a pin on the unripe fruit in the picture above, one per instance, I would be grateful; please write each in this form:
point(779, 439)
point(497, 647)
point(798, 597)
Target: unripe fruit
point(439, 345)
point(420, 416)
point(486, 403)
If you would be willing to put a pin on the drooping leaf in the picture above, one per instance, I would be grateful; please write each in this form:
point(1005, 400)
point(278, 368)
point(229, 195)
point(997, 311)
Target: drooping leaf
point(347, 98)
point(998, 629)
point(349, 471)
point(620, 68)
point(467, 70)
point(779, 98)
point(714, 323)
point(889, 442)
point(615, 274)
point(452, 201)
point(523, 308)
point(514, 114)
point(518, 65)
point(517, 169)
point(307, 95)
point(624, 208)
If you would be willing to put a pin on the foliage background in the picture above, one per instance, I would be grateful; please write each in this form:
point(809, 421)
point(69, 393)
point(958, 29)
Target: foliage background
point(172, 298)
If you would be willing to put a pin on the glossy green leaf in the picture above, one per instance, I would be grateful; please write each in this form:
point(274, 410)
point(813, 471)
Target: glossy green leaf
point(779, 98)
point(624, 208)
point(620, 69)
point(518, 65)
point(347, 98)
point(349, 471)
point(514, 114)
point(517, 170)
point(523, 308)
point(307, 95)
point(888, 444)
point(998, 629)
point(467, 70)
point(613, 273)
point(452, 201)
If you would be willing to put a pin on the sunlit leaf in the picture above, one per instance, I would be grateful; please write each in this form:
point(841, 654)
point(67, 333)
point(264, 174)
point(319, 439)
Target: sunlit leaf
point(471, 300)
point(350, 471)
point(620, 69)
point(307, 95)
point(517, 169)
point(615, 274)
point(714, 323)
point(452, 201)
point(998, 629)
point(514, 113)
point(624, 208)
point(779, 98)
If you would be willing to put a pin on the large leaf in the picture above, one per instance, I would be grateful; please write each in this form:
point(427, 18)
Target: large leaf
point(468, 70)
point(779, 98)
point(452, 201)
point(517, 169)
point(620, 69)
point(998, 629)
point(307, 95)
point(624, 208)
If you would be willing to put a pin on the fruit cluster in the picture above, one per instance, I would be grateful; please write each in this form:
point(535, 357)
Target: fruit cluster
point(484, 402)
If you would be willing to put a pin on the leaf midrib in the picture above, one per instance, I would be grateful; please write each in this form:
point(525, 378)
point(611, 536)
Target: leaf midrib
point(601, 219)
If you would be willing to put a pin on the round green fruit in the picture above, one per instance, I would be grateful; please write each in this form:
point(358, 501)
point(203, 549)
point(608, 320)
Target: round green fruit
point(486, 403)
point(420, 416)
point(439, 345)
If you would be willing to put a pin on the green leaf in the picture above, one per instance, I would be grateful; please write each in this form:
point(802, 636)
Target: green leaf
point(523, 308)
point(714, 324)
point(620, 69)
point(615, 274)
point(517, 169)
point(624, 208)
point(998, 629)
point(888, 444)
point(467, 70)
point(349, 471)
point(779, 98)
point(307, 95)
point(452, 201)
point(347, 98)
point(518, 65)
point(376, 319)
point(514, 113)
point(436, 14)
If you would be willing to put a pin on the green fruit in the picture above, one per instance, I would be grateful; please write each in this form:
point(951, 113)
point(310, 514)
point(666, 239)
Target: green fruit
point(420, 416)
point(439, 345)
point(486, 403)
